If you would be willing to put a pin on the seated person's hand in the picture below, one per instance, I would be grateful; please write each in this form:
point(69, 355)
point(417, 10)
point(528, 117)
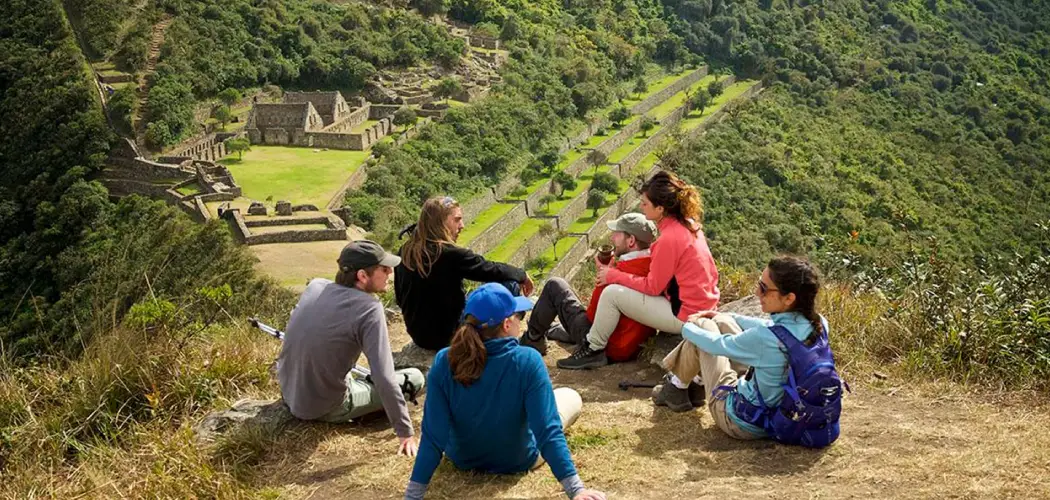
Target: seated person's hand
point(589, 495)
point(697, 316)
point(527, 286)
point(603, 274)
point(408, 446)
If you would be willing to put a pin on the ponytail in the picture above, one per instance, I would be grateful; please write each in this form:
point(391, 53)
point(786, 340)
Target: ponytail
point(798, 276)
point(466, 353)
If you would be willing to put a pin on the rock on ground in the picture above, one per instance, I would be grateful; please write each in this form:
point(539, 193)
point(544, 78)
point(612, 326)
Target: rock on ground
point(261, 412)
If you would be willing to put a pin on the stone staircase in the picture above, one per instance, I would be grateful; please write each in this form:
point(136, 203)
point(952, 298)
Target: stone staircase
point(156, 41)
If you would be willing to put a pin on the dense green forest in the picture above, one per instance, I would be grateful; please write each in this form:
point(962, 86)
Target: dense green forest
point(71, 262)
point(567, 60)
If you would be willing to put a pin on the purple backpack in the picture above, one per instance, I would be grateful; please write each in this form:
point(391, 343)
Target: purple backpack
point(808, 415)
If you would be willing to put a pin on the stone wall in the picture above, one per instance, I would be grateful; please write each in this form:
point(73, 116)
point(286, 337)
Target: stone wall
point(681, 84)
point(211, 197)
point(297, 236)
point(484, 42)
point(477, 203)
point(492, 236)
point(351, 120)
point(142, 169)
point(532, 248)
point(287, 221)
point(380, 111)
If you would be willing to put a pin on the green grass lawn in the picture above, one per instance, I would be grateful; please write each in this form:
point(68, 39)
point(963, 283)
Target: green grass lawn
point(664, 108)
point(516, 239)
point(299, 175)
point(655, 86)
point(365, 125)
point(483, 220)
point(189, 189)
point(731, 92)
point(291, 227)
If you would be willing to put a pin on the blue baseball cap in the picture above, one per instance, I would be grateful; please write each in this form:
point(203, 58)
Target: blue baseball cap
point(492, 303)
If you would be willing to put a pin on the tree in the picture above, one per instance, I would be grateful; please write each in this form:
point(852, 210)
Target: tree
point(239, 146)
point(223, 114)
point(446, 88)
point(605, 181)
point(715, 88)
point(552, 234)
point(230, 96)
point(565, 181)
point(549, 159)
point(540, 263)
point(430, 7)
point(619, 114)
point(640, 86)
point(595, 200)
point(405, 117)
point(700, 101)
point(597, 158)
point(647, 123)
point(519, 191)
point(547, 200)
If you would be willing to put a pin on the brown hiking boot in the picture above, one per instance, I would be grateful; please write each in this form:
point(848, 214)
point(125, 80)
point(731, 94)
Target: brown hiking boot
point(666, 394)
point(540, 344)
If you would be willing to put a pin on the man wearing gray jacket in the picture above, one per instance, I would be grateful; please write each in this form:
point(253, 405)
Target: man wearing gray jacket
point(333, 323)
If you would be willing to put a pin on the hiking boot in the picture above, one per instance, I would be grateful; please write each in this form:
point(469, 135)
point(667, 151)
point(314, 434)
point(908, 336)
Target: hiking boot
point(666, 394)
point(557, 333)
point(538, 344)
point(697, 394)
point(584, 358)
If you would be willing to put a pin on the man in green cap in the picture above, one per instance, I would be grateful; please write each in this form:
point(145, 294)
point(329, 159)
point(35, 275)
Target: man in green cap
point(333, 323)
point(631, 237)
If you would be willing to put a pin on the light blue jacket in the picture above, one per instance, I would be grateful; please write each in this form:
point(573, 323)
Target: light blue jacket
point(757, 347)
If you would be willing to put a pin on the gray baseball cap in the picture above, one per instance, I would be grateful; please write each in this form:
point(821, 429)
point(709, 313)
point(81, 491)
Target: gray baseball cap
point(365, 253)
point(635, 224)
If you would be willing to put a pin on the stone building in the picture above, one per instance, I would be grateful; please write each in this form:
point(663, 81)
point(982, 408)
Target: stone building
point(316, 119)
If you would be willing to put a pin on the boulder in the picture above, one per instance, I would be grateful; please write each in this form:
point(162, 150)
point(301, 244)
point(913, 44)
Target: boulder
point(256, 208)
point(379, 94)
point(343, 213)
point(284, 208)
point(413, 356)
point(259, 412)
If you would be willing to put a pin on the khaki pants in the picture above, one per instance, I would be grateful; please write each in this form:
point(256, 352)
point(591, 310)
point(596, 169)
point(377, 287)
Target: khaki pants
point(649, 310)
point(362, 397)
point(687, 361)
point(569, 404)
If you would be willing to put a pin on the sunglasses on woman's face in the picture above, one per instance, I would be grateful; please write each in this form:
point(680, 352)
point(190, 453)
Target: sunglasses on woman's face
point(763, 288)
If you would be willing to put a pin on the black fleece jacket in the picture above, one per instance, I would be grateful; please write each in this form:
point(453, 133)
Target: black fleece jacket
point(433, 305)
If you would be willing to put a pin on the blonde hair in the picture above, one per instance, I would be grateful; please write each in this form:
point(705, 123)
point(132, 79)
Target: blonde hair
point(429, 236)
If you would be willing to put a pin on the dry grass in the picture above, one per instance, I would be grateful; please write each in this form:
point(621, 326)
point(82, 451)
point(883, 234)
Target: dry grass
point(903, 437)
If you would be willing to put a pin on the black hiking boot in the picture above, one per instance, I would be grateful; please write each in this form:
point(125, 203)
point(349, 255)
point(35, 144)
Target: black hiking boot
point(697, 394)
point(538, 344)
point(666, 394)
point(557, 333)
point(584, 358)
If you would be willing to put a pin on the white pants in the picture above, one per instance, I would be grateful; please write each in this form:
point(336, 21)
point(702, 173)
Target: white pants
point(652, 311)
point(569, 404)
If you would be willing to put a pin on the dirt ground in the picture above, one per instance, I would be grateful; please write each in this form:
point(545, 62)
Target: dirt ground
point(900, 439)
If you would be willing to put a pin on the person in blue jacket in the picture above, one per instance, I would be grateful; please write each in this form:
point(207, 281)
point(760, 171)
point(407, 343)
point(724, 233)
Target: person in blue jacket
point(490, 406)
point(788, 292)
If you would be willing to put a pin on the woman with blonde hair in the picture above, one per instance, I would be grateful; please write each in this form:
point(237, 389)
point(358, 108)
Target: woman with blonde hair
point(682, 276)
point(428, 284)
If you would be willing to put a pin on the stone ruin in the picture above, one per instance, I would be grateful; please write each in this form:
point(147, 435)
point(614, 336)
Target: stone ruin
point(317, 119)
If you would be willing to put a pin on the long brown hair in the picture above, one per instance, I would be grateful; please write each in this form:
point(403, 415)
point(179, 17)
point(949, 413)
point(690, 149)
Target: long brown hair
point(466, 353)
point(798, 276)
point(424, 244)
point(678, 199)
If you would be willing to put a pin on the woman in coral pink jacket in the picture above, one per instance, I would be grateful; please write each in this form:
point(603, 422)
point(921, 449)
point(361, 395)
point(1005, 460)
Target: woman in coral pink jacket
point(682, 270)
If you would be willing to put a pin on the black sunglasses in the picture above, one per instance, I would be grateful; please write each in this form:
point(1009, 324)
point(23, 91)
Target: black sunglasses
point(763, 288)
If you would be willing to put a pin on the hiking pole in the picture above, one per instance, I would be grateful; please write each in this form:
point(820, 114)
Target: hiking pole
point(279, 335)
point(627, 384)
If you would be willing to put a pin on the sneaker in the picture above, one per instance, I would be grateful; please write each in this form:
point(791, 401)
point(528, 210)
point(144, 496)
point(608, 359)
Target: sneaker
point(666, 394)
point(538, 344)
point(557, 333)
point(584, 358)
point(697, 394)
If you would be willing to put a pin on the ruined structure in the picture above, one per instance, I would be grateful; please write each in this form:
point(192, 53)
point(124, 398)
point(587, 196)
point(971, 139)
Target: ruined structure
point(318, 119)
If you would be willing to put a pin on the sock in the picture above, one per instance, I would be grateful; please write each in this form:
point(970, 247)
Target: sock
point(697, 381)
point(678, 383)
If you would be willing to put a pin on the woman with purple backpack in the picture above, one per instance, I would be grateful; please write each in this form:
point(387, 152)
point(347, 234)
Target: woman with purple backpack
point(791, 393)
